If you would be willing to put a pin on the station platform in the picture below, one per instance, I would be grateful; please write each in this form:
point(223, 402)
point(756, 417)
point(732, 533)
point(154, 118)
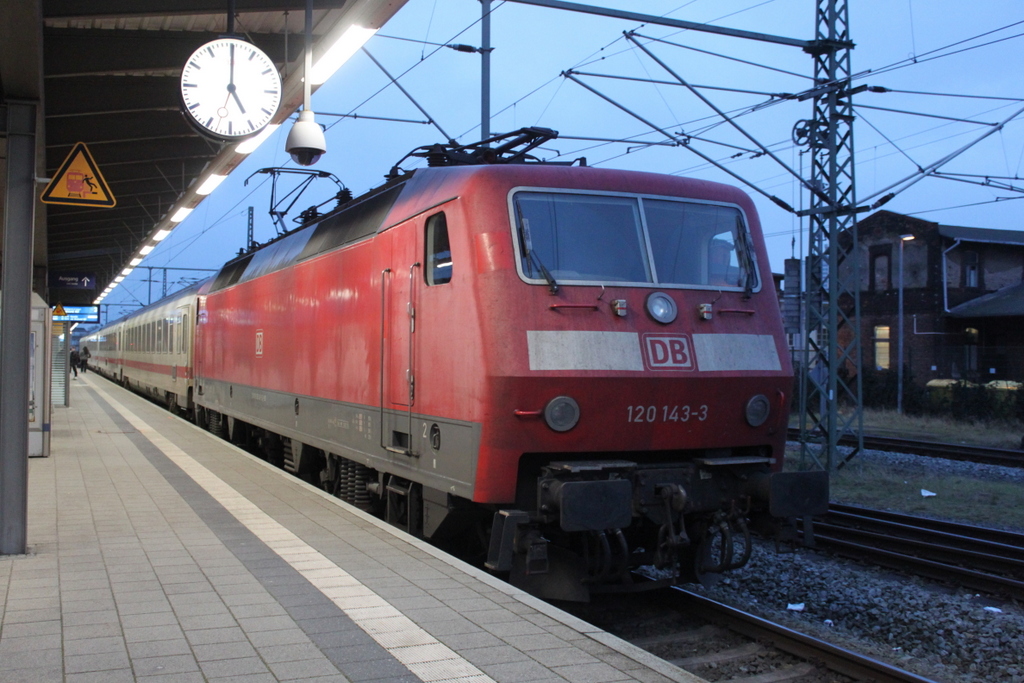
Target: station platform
point(160, 552)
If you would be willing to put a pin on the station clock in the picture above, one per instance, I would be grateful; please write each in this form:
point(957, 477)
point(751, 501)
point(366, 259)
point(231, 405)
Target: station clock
point(230, 89)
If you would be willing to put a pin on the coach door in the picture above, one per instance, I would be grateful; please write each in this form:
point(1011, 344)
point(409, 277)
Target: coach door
point(179, 343)
point(399, 284)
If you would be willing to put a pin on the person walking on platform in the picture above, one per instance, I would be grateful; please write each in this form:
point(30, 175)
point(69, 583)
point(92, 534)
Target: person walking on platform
point(76, 360)
point(85, 359)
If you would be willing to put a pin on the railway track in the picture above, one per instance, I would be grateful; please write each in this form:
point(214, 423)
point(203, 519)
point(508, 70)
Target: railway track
point(726, 645)
point(988, 560)
point(815, 652)
point(951, 451)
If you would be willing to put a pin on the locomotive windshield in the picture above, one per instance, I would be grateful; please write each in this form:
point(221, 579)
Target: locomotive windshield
point(583, 238)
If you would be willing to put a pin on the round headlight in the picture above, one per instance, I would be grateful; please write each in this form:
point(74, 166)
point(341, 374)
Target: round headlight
point(757, 410)
point(562, 413)
point(662, 307)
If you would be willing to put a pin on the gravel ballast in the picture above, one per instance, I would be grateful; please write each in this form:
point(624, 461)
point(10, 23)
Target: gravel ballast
point(943, 633)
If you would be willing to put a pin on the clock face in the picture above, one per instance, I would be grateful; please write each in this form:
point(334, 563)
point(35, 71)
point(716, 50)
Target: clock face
point(230, 89)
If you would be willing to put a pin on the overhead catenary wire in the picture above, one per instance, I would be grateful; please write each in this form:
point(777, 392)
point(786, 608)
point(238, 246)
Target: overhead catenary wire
point(914, 178)
point(731, 121)
point(965, 206)
point(409, 96)
point(930, 116)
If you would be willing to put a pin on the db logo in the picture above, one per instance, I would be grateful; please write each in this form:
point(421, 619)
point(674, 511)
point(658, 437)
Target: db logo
point(259, 343)
point(668, 352)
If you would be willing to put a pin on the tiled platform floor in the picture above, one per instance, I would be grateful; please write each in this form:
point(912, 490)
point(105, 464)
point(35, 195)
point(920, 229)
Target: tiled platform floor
point(158, 552)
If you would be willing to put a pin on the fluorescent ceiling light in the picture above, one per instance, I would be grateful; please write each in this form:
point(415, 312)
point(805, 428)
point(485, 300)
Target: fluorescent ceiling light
point(160, 235)
point(181, 214)
point(350, 41)
point(249, 145)
point(210, 184)
point(127, 271)
point(146, 249)
point(136, 261)
point(119, 278)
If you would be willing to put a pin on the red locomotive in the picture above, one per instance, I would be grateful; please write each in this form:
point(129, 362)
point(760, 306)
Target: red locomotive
point(585, 368)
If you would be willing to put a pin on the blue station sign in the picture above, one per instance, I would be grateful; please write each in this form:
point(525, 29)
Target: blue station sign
point(77, 314)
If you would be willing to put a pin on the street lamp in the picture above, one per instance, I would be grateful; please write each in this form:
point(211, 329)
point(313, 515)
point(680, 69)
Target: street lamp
point(899, 315)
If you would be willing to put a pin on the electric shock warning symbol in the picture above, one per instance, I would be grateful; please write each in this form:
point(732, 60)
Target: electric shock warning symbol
point(79, 182)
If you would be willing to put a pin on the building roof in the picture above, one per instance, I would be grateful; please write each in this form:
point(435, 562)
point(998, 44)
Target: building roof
point(1005, 302)
point(982, 234)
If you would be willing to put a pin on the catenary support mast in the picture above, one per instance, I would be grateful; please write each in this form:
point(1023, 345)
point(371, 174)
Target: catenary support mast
point(829, 376)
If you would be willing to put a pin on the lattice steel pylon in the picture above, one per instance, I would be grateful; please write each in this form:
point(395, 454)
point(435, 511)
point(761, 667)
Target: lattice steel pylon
point(829, 376)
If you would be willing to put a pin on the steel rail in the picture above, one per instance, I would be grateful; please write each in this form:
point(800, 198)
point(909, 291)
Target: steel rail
point(951, 451)
point(838, 659)
point(983, 559)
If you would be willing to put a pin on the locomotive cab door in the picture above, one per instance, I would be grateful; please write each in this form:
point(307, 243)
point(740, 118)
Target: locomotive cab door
point(398, 382)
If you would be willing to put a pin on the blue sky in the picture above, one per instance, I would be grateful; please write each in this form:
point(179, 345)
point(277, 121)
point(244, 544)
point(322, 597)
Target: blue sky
point(533, 46)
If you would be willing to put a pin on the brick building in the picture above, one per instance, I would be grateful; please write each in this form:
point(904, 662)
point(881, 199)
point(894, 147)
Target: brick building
point(963, 298)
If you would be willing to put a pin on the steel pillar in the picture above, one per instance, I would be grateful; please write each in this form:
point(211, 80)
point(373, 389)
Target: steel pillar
point(15, 324)
point(485, 69)
point(830, 375)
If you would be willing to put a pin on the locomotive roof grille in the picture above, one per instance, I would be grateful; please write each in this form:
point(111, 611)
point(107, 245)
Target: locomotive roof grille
point(230, 273)
point(356, 220)
point(351, 224)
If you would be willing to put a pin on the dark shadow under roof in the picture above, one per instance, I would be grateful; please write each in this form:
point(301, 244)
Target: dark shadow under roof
point(1006, 302)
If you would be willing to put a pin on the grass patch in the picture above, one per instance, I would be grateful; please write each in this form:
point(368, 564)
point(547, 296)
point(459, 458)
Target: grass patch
point(963, 497)
point(990, 433)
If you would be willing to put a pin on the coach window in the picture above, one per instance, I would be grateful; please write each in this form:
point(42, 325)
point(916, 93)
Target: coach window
point(439, 251)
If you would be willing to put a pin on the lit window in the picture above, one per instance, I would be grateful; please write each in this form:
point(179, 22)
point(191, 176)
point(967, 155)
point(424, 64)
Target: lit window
point(882, 347)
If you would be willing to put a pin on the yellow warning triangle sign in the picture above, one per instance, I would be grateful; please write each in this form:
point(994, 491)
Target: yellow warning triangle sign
point(59, 310)
point(79, 182)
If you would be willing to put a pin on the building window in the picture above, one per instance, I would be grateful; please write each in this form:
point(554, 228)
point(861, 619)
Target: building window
point(881, 347)
point(971, 269)
point(880, 275)
point(971, 349)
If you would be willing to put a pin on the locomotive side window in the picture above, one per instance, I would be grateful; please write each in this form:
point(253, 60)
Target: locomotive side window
point(581, 237)
point(439, 251)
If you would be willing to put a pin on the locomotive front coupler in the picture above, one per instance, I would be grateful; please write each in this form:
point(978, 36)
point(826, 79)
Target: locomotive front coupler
point(672, 537)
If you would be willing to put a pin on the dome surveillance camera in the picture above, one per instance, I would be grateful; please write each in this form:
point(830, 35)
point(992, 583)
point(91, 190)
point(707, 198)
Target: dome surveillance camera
point(306, 142)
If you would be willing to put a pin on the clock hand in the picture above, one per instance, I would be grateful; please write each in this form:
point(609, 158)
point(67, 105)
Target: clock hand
point(234, 94)
point(231, 82)
point(231, 68)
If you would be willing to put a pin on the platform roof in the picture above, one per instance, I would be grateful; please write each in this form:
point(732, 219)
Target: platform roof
point(105, 72)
